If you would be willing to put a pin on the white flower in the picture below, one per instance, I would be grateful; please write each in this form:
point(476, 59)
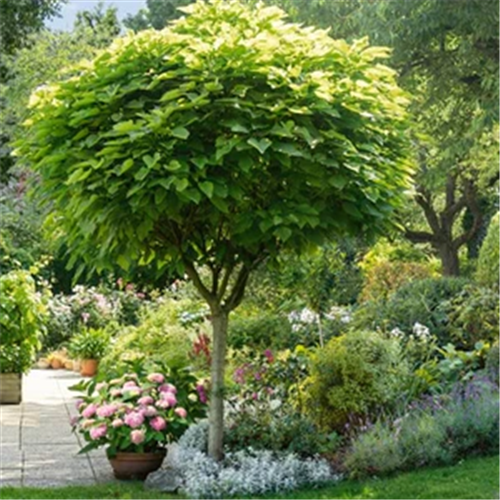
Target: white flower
point(421, 331)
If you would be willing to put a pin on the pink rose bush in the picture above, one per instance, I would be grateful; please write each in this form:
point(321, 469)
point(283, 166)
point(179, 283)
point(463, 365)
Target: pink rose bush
point(138, 413)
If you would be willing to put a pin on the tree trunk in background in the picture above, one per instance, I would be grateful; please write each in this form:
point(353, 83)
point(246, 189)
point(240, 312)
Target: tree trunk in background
point(216, 412)
point(449, 259)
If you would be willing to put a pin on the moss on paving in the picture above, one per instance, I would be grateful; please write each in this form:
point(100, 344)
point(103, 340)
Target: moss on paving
point(472, 478)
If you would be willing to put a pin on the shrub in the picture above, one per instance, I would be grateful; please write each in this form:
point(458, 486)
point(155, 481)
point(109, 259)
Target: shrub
point(158, 336)
point(435, 430)
point(354, 375)
point(424, 301)
point(22, 314)
point(492, 361)
point(89, 344)
point(488, 262)
point(473, 316)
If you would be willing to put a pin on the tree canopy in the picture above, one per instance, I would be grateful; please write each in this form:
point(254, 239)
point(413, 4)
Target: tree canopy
point(220, 141)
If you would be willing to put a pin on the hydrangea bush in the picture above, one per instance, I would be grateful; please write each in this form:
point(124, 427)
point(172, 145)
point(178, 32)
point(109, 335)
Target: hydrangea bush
point(135, 413)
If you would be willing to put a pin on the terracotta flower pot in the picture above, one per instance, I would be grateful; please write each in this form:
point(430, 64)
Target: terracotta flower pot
point(56, 364)
point(88, 367)
point(136, 465)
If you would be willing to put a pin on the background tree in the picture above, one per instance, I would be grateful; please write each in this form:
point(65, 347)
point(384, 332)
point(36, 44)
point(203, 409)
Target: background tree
point(221, 142)
point(446, 52)
point(156, 14)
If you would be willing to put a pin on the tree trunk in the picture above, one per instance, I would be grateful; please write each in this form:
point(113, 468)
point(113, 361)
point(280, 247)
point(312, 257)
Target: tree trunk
point(449, 259)
point(216, 413)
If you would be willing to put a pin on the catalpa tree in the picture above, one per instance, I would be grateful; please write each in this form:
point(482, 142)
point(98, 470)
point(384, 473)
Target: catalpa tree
point(217, 143)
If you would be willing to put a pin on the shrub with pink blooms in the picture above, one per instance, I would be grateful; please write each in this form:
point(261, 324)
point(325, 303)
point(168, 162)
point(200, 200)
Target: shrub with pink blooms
point(137, 412)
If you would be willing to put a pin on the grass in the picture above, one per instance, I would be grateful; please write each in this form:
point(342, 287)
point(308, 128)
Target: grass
point(472, 478)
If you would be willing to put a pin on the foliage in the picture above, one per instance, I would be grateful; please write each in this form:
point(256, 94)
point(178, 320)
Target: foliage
point(354, 375)
point(437, 430)
point(493, 361)
point(473, 316)
point(22, 313)
point(159, 335)
point(488, 261)
point(246, 472)
point(156, 15)
point(89, 344)
point(136, 413)
point(424, 302)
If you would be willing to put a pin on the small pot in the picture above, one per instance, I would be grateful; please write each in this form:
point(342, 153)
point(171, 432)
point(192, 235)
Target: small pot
point(127, 465)
point(88, 367)
point(56, 364)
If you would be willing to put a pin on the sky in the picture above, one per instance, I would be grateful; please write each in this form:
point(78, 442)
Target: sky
point(69, 10)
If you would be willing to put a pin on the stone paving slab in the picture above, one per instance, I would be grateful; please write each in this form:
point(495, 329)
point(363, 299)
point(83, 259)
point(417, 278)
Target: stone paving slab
point(37, 445)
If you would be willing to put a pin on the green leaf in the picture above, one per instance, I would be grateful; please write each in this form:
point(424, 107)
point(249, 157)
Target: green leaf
point(127, 165)
point(207, 187)
point(180, 132)
point(245, 163)
point(338, 181)
point(283, 233)
point(141, 174)
point(261, 145)
point(181, 184)
point(123, 262)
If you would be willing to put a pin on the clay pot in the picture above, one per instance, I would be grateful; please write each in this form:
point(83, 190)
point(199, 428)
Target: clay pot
point(136, 465)
point(88, 367)
point(56, 364)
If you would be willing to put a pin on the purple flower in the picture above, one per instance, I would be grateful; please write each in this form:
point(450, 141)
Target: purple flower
point(89, 411)
point(106, 410)
point(269, 355)
point(201, 393)
point(137, 436)
point(98, 432)
point(181, 412)
point(158, 423)
point(157, 378)
point(239, 376)
point(134, 419)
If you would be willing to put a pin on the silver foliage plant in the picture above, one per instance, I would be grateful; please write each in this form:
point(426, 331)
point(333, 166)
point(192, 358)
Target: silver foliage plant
point(245, 472)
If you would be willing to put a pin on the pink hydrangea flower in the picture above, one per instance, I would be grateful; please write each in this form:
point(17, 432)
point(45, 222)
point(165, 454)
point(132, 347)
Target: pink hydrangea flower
point(134, 419)
point(181, 412)
point(158, 423)
point(150, 411)
point(117, 422)
point(89, 411)
point(98, 432)
point(115, 393)
point(168, 388)
point(163, 404)
point(145, 400)
point(88, 423)
point(100, 385)
point(157, 378)
point(106, 410)
point(137, 436)
point(169, 398)
point(130, 385)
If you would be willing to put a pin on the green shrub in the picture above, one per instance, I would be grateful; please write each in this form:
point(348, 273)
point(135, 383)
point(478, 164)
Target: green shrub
point(488, 262)
point(436, 430)
point(159, 336)
point(89, 344)
point(493, 361)
point(354, 375)
point(424, 301)
point(473, 316)
point(22, 314)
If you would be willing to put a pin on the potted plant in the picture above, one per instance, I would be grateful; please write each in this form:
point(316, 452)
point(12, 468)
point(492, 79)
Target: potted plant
point(89, 347)
point(22, 314)
point(135, 417)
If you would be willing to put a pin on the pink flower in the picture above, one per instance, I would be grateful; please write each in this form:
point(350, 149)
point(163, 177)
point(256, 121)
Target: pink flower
point(269, 355)
point(134, 419)
point(137, 436)
point(145, 400)
point(100, 385)
point(79, 403)
point(181, 412)
point(117, 422)
point(85, 317)
point(163, 404)
point(169, 398)
point(73, 421)
point(255, 396)
point(129, 287)
point(106, 410)
point(115, 393)
point(89, 411)
point(98, 432)
point(157, 378)
point(130, 385)
point(158, 423)
point(140, 295)
point(150, 411)
point(168, 388)
point(88, 423)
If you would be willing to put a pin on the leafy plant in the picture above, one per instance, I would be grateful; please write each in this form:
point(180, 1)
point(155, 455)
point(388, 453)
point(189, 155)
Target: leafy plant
point(488, 272)
point(22, 315)
point(90, 344)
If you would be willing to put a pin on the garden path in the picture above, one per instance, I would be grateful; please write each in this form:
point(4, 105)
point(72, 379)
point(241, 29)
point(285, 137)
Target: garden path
point(37, 447)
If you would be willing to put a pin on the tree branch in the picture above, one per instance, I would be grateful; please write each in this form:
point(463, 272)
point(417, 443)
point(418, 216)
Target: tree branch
point(423, 198)
point(195, 278)
point(420, 237)
point(470, 197)
point(236, 295)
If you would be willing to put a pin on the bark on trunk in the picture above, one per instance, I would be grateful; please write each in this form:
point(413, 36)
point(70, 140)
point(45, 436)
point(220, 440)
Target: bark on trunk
point(449, 259)
point(216, 411)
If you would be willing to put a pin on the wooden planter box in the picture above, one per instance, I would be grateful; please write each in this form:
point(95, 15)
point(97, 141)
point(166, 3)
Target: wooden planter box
point(11, 388)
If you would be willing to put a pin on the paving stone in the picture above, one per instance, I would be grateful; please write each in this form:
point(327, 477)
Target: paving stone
point(10, 477)
point(11, 457)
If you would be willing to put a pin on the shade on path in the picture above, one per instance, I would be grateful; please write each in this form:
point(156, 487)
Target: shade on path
point(37, 447)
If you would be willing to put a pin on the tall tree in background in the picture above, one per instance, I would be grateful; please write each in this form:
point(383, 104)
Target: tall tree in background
point(446, 52)
point(218, 143)
point(156, 14)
